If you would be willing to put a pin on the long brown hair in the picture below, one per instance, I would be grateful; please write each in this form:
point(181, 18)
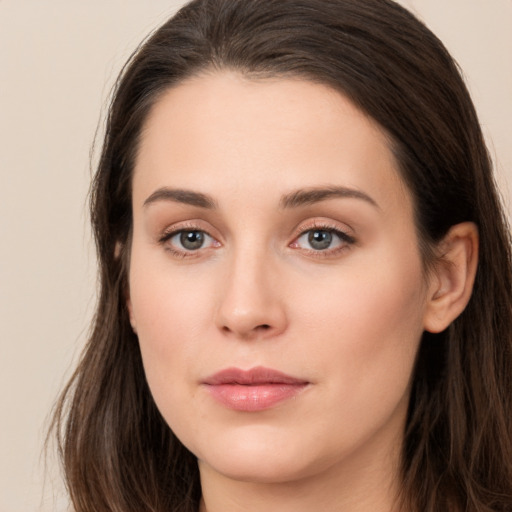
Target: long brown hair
point(118, 453)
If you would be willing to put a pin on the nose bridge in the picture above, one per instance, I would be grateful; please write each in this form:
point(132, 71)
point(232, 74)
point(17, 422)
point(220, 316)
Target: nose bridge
point(250, 302)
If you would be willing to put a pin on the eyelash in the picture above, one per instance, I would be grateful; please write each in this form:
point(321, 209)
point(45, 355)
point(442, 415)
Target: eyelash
point(171, 233)
point(345, 239)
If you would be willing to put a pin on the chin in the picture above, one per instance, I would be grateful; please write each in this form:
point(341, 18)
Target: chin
point(259, 470)
point(259, 456)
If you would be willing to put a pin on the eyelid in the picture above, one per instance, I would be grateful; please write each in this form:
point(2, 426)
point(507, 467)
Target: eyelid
point(171, 231)
point(345, 235)
point(324, 224)
point(187, 225)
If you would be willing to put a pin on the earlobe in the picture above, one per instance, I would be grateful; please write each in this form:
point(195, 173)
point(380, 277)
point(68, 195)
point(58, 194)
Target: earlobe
point(129, 307)
point(130, 313)
point(452, 279)
point(118, 249)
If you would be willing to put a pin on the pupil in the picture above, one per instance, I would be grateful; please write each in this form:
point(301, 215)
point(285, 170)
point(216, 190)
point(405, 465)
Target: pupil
point(320, 239)
point(192, 239)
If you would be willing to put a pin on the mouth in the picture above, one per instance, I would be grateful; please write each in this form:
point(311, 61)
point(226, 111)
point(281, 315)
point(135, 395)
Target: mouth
point(253, 390)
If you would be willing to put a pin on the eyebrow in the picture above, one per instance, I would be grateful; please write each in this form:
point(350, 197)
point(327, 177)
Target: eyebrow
point(181, 196)
point(313, 195)
point(295, 199)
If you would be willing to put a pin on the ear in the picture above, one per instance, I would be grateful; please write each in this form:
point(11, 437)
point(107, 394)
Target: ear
point(451, 282)
point(130, 312)
point(117, 254)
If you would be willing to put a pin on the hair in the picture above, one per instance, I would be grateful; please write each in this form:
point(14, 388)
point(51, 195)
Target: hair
point(117, 452)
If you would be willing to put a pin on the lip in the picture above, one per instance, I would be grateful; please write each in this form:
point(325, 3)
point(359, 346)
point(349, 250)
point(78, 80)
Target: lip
point(252, 390)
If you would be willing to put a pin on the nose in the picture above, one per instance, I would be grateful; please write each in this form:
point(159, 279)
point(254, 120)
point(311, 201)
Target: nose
point(251, 305)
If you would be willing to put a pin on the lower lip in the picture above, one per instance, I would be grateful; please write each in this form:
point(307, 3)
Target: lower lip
point(253, 398)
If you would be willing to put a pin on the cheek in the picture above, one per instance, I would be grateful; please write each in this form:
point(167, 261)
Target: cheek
point(364, 298)
point(366, 328)
point(170, 317)
point(169, 339)
point(166, 298)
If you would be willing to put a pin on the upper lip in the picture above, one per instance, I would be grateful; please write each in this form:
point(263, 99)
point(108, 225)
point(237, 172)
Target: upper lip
point(252, 377)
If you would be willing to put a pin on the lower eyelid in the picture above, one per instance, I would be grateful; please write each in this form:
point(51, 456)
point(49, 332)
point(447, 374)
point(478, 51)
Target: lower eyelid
point(345, 240)
point(342, 244)
point(177, 251)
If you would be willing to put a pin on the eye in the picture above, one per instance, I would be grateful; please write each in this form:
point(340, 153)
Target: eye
point(190, 240)
point(319, 240)
point(323, 240)
point(185, 241)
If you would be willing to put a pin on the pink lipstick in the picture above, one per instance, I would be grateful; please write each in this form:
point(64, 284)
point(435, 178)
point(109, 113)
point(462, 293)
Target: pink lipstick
point(252, 390)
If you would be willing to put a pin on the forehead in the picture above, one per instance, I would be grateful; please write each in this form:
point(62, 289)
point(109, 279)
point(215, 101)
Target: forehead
point(222, 132)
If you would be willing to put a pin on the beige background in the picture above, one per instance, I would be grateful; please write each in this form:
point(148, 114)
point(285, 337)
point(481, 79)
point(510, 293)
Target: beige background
point(58, 60)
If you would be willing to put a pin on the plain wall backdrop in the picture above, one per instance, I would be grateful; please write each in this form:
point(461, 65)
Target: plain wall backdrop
point(58, 61)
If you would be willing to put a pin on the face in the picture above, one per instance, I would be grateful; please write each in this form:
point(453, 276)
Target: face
point(276, 284)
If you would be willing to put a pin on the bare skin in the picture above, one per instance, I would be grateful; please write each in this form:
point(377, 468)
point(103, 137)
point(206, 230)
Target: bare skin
point(272, 229)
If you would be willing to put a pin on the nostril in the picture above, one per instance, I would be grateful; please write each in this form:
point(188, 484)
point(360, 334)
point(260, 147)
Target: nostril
point(246, 331)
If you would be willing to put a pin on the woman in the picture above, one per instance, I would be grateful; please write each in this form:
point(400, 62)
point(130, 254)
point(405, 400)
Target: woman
point(305, 274)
